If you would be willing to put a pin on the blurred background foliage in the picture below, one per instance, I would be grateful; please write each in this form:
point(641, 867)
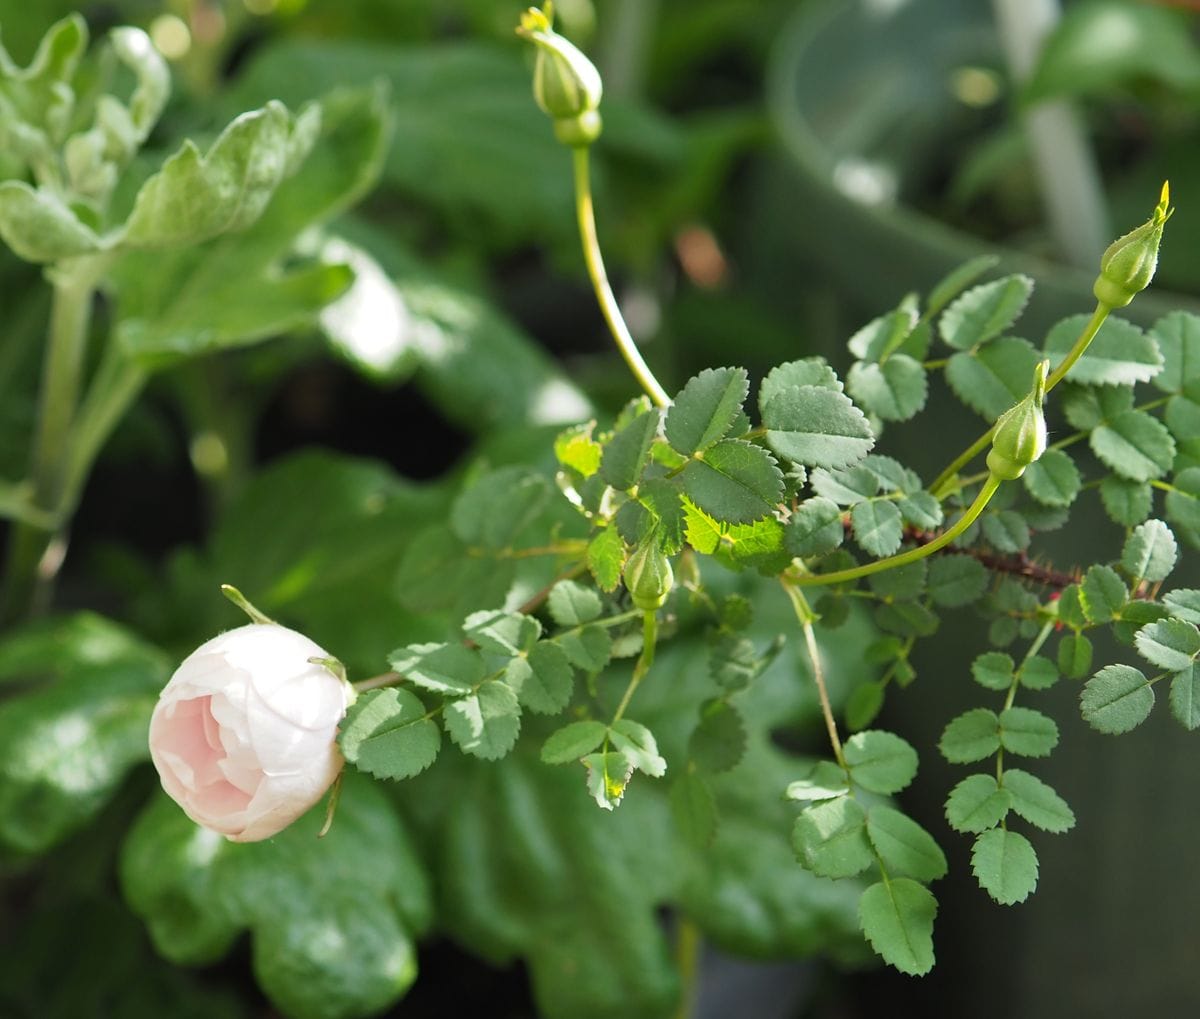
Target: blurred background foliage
point(772, 174)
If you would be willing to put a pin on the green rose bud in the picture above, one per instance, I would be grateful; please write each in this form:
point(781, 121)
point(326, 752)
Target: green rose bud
point(1128, 265)
point(566, 84)
point(648, 576)
point(1020, 436)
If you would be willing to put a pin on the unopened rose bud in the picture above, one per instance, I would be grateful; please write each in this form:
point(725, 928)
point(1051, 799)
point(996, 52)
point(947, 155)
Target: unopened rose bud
point(1127, 266)
point(566, 84)
point(648, 576)
point(1020, 436)
point(243, 734)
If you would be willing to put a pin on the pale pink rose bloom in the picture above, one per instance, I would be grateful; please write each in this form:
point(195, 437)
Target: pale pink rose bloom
point(243, 734)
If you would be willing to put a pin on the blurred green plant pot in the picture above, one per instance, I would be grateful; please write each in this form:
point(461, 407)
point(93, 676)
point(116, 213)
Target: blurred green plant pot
point(863, 96)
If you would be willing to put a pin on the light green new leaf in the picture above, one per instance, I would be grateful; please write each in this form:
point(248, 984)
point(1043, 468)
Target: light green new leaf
point(1005, 865)
point(1126, 502)
point(1135, 445)
point(972, 736)
point(880, 761)
point(1037, 802)
point(1027, 732)
point(897, 919)
point(67, 743)
point(1116, 699)
point(443, 668)
point(905, 847)
point(1150, 551)
point(706, 408)
point(1102, 594)
point(985, 311)
point(878, 527)
point(572, 604)
point(638, 745)
point(628, 451)
point(702, 531)
point(1184, 697)
point(1171, 644)
point(605, 559)
point(389, 734)
point(894, 390)
point(486, 723)
point(830, 838)
point(572, 742)
point(1053, 479)
point(818, 427)
point(736, 482)
point(993, 378)
point(976, 804)
point(40, 227)
point(1178, 338)
point(332, 921)
point(1120, 355)
point(544, 680)
point(956, 580)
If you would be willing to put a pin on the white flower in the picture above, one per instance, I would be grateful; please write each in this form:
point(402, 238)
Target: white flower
point(243, 734)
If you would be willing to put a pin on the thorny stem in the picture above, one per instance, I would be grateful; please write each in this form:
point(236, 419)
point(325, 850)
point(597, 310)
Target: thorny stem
point(979, 445)
point(913, 554)
point(806, 616)
point(604, 294)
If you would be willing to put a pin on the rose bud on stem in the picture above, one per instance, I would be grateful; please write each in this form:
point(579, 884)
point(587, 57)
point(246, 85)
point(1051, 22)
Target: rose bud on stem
point(243, 735)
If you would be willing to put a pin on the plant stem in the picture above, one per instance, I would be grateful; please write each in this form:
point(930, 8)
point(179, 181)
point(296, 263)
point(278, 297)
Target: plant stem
point(687, 959)
point(599, 278)
point(645, 660)
point(1074, 354)
point(805, 614)
point(32, 558)
point(913, 554)
point(1081, 344)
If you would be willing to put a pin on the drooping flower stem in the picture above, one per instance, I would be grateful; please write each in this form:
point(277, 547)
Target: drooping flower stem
point(595, 266)
point(1083, 341)
point(913, 554)
point(806, 616)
